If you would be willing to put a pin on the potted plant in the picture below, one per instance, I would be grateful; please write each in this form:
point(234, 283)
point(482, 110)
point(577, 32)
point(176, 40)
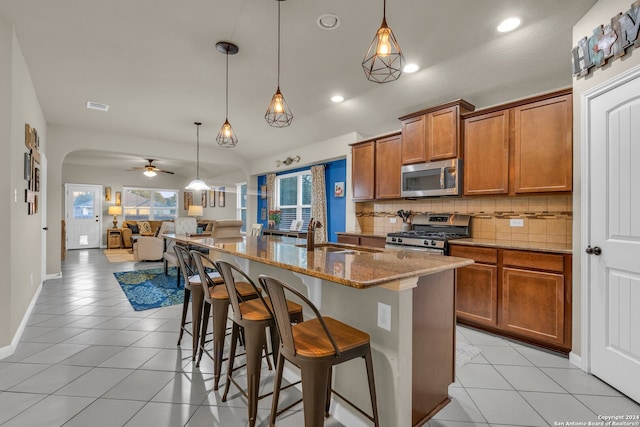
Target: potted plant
point(274, 218)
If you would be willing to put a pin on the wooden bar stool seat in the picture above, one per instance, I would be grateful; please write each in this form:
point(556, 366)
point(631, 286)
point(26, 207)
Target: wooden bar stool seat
point(216, 304)
point(254, 316)
point(193, 293)
point(315, 346)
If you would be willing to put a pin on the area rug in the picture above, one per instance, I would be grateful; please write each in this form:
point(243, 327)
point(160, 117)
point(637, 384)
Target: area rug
point(119, 255)
point(150, 288)
point(464, 353)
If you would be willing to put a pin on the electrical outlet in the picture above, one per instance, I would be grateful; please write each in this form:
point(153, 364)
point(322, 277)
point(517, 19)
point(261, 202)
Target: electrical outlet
point(384, 316)
point(393, 220)
point(516, 222)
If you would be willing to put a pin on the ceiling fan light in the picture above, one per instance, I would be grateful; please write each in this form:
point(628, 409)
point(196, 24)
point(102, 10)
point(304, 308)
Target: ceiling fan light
point(226, 137)
point(149, 173)
point(197, 185)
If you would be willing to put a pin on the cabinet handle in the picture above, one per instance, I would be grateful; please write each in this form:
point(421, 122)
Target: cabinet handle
point(596, 250)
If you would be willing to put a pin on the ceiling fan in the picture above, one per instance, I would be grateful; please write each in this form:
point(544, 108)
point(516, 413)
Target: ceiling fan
point(150, 169)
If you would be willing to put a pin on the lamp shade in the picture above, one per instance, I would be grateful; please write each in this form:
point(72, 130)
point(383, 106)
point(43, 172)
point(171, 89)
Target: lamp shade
point(115, 210)
point(195, 210)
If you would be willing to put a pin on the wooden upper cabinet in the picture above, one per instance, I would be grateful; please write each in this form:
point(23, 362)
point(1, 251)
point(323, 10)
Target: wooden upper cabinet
point(543, 146)
point(433, 134)
point(388, 164)
point(414, 148)
point(442, 134)
point(363, 171)
point(486, 154)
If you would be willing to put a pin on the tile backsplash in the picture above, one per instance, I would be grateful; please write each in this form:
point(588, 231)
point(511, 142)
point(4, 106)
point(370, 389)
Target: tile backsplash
point(546, 219)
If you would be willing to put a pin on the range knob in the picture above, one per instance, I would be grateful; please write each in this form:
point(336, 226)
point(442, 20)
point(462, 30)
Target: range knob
point(399, 240)
point(433, 243)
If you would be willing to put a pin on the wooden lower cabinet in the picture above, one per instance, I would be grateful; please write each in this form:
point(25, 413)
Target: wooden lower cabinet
point(520, 294)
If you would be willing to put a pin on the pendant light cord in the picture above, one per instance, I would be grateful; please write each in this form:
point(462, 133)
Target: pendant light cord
point(227, 96)
point(197, 150)
point(279, 1)
point(384, 9)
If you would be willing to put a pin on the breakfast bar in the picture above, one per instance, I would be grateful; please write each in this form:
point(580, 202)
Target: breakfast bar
point(404, 300)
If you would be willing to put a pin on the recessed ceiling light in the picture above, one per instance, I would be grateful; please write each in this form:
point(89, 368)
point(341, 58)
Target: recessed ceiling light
point(509, 24)
point(410, 68)
point(97, 106)
point(337, 98)
point(328, 21)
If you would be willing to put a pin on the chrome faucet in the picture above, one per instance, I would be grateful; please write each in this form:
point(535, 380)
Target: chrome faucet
point(311, 233)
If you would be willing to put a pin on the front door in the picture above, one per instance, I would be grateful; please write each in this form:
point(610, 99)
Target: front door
point(83, 215)
point(612, 255)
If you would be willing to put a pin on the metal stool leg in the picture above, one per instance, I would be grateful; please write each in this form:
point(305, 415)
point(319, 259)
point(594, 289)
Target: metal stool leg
point(185, 306)
point(203, 332)
point(372, 386)
point(277, 383)
point(314, 392)
point(197, 301)
point(220, 312)
point(232, 357)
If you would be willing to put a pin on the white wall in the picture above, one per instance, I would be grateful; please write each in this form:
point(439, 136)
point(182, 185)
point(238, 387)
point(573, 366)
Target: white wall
point(20, 259)
point(600, 14)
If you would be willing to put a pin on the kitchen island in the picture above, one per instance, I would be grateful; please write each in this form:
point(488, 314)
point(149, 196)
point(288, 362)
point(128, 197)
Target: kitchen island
point(404, 300)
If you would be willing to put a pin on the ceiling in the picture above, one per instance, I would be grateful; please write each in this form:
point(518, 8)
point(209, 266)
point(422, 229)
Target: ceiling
point(155, 63)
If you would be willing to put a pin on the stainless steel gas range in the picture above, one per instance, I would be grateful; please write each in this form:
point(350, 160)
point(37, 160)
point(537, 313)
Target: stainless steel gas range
point(431, 233)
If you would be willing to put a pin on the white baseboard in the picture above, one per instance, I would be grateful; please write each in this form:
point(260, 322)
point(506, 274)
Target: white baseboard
point(11, 348)
point(57, 275)
point(576, 360)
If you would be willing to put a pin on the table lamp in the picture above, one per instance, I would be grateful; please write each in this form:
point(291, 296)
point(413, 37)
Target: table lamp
point(115, 211)
point(195, 210)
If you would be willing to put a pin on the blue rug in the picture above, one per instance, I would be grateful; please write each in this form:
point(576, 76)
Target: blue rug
point(150, 288)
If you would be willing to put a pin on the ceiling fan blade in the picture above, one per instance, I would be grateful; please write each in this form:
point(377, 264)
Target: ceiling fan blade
point(163, 171)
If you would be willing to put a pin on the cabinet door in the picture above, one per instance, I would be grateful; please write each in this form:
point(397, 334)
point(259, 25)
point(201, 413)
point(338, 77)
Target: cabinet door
point(477, 293)
point(363, 171)
point(350, 240)
point(533, 304)
point(543, 146)
point(486, 154)
point(388, 164)
point(414, 148)
point(442, 134)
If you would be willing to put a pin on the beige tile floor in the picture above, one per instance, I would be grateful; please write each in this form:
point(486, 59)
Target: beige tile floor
point(87, 358)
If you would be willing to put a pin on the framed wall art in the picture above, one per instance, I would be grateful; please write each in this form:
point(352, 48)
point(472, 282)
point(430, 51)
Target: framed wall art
point(107, 194)
point(212, 198)
point(118, 198)
point(203, 198)
point(221, 197)
point(188, 200)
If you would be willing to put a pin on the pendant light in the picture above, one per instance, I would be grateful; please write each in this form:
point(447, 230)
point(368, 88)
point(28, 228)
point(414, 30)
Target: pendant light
point(278, 114)
point(383, 61)
point(226, 137)
point(197, 184)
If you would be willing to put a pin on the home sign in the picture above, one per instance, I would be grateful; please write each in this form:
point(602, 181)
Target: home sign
point(610, 40)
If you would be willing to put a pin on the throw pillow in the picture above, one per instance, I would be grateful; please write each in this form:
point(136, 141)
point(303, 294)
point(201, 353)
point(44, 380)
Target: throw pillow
point(145, 228)
point(134, 228)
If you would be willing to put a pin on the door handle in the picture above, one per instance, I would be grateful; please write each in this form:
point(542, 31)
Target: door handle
point(596, 250)
point(45, 228)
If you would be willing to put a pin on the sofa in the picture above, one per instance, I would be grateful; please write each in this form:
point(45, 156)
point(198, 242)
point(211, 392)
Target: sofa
point(131, 229)
point(151, 248)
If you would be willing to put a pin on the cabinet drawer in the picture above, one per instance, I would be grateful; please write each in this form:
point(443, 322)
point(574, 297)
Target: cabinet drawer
point(485, 255)
point(374, 242)
point(534, 260)
point(350, 240)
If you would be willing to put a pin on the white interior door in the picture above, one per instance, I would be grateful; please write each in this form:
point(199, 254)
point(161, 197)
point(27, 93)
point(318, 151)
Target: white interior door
point(613, 255)
point(82, 215)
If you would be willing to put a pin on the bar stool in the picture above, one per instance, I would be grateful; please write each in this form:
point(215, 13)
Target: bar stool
point(315, 346)
point(193, 291)
point(216, 300)
point(254, 316)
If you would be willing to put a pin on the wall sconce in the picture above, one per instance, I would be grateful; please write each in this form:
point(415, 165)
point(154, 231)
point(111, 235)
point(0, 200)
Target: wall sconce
point(287, 161)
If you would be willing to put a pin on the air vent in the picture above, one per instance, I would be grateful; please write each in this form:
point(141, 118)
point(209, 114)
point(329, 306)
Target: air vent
point(97, 106)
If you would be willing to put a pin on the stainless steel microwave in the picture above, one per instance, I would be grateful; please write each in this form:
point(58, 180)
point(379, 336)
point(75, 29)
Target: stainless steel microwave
point(441, 178)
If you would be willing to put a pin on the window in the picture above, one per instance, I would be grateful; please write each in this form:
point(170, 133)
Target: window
point(294, 198)
point(241, 204)
point(139, 204)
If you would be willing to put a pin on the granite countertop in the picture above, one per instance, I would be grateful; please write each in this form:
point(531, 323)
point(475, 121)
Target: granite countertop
point(559, 248)
point(348, 265)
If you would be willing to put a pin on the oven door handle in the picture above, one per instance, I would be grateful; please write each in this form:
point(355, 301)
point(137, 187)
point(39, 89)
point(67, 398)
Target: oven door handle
point(441, 178)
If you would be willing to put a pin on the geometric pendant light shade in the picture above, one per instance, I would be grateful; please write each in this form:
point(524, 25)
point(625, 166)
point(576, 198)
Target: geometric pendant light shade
point(384, 60)
point(197, 184)
point(226, 137)
point(278, 113)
